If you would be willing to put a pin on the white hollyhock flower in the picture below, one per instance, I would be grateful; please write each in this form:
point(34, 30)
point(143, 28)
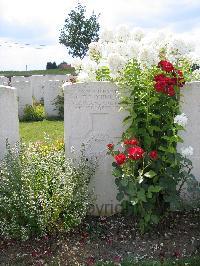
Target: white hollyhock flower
point(137, 34)
point(181, 120)
point(116, 62)
point(77, 64)
point(83, 77)
point(188, 151)
point(95, 51)
point(107, 36)
point(147, 56)
point(123, 34)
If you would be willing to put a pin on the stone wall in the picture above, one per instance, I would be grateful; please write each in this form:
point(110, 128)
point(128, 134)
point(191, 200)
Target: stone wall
point(9, 123)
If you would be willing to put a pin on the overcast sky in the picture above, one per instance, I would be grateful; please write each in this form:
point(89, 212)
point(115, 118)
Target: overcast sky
point(37, 22)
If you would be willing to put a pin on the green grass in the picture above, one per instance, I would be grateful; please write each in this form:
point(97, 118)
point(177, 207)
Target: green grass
point(35, 131)
point(194, 261)
point(37, 72)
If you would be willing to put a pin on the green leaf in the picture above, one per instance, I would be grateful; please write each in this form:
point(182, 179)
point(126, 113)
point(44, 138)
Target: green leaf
point(155, 189)
point(120, 196)
point(141, 195)
point(124, 182)
point(150, 174)
point(155, 219)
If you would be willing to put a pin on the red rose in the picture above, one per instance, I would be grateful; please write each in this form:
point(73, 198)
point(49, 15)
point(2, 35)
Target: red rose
point(166, 66)
point(131, 142)
point(159, 77)
point(160, 86)
point(170, 91)
point(135, 153)
point(120, 158)
point(153, 155)
point(110, 146)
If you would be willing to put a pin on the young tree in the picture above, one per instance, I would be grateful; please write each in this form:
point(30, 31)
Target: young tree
point(79, 31)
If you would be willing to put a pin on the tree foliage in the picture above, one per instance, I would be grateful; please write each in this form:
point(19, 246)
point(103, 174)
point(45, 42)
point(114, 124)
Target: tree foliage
point(79, 31)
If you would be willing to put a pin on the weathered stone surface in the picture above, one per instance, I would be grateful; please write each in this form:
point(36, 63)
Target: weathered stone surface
point(9, 123)
point(4, 80)
point(53, 88)
point(24, 92)
point(190, 105)
point(92, 117)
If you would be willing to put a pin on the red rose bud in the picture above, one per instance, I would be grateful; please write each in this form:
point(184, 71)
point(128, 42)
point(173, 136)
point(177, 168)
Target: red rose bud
point(170, 91)
point(110, 146)
point(166, 66)
point(120, 158)
point(153, 155)
point(135, 153)
point(131, 142)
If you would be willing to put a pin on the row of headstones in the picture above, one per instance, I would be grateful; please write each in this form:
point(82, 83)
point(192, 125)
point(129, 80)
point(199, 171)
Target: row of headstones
point(92, 117)
point(38, 88)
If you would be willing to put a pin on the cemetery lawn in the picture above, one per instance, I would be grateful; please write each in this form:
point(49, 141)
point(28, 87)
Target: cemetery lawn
point(35, 131)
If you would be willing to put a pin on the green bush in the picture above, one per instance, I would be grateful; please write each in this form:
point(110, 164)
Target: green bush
point(34, 113)
point(59, 105)
point(41, 192)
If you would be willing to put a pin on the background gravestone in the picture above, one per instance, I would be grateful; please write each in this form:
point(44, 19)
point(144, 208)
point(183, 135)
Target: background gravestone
point(24, 92)
point(190, 105)
point(9, 123)
point(52, 89)
point(4, 80)
point(37, 85)
point(92, 118)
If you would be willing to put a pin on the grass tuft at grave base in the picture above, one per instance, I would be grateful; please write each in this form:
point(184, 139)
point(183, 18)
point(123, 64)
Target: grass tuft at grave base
point(36, 131)
point(37, 72)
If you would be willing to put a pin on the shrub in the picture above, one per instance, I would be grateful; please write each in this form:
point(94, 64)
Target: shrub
point(34, 113)
point(40, 191)
point(59, 105)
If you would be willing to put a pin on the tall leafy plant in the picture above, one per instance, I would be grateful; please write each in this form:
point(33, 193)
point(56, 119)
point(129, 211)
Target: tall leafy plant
point(149, 169)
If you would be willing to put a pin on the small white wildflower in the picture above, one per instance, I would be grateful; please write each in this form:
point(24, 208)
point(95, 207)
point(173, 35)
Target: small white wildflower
point(188, 151)
point(181, 120)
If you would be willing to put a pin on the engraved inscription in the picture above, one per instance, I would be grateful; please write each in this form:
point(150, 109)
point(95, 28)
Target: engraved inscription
point(97, 100)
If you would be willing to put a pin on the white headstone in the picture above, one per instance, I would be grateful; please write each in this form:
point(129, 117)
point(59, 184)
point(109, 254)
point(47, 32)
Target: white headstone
point(53, 88)
point(92, 118)
point(190, 103)
point(9, 123)
point(24, 92)
point(4, 80)
point(63, 78)
point(37, 84)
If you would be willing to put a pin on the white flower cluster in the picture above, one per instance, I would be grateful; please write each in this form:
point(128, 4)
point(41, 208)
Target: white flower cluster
point(115, 48)
point(196, 75)
point(181, 120)
point(188, 151)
